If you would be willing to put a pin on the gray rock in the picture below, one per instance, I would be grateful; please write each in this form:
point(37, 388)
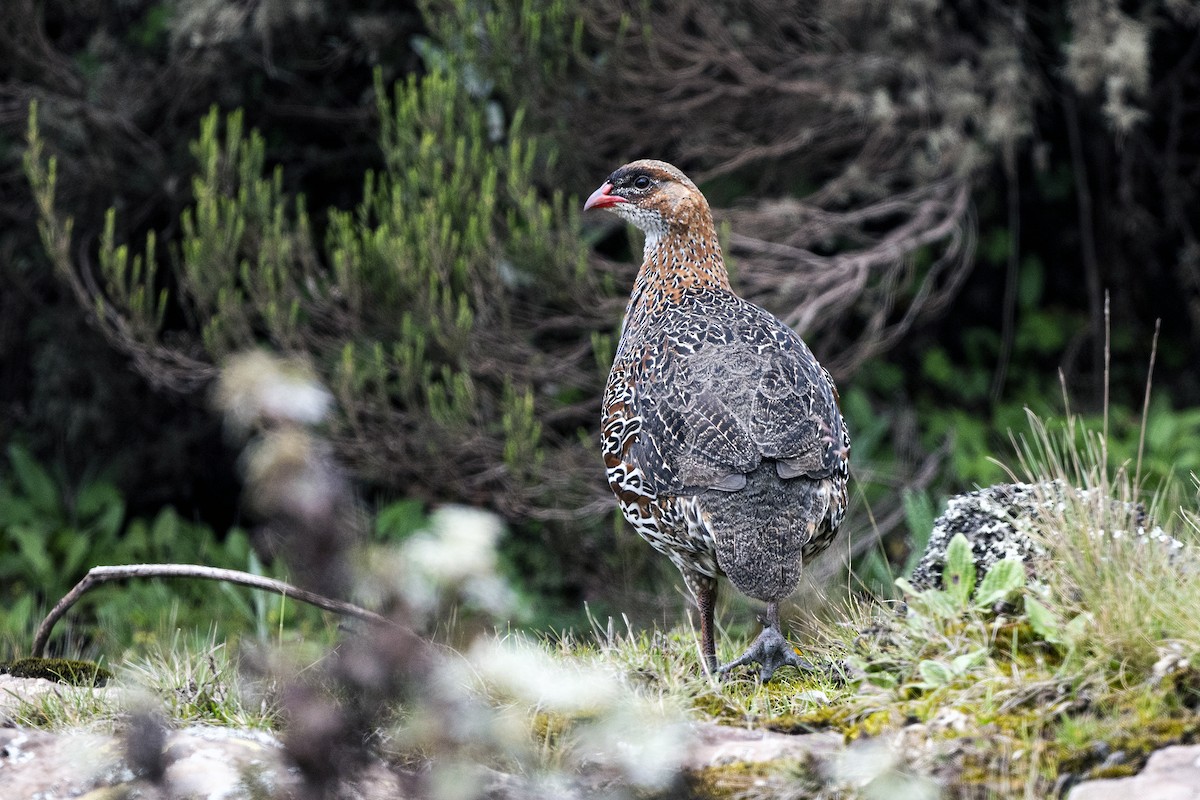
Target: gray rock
point(1172, 773)
point(14, 692)
point(202, 762)
point(998, 521)
point(717, 745)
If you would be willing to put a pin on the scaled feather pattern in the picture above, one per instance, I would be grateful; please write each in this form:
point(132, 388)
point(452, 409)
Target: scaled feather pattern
point(721, 434)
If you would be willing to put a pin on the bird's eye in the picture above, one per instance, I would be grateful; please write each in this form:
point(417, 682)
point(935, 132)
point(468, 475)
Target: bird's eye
point(641, 182)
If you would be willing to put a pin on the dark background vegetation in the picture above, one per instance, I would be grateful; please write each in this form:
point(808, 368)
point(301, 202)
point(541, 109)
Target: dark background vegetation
point(939, 197)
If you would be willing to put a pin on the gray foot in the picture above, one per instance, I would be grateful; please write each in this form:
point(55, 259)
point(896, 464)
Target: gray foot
point(771, 651)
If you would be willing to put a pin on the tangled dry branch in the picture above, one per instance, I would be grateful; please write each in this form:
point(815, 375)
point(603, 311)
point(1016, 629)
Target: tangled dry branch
point(884, 232)
point(879, 283)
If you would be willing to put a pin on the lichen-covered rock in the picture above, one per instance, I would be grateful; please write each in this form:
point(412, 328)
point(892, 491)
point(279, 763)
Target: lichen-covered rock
point(997, 522)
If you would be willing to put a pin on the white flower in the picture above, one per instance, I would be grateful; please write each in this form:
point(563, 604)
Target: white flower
point(461, 543)
point(256, 387)
point(534, 678)
point(457, 553)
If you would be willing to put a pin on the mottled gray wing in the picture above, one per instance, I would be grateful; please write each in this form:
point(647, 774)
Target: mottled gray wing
point(794, 416)
point(740, 388)
point(691, 442)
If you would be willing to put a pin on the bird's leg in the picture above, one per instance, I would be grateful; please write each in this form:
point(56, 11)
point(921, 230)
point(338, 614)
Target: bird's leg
point(704, 589)
point(770, 650)
point(706, 599)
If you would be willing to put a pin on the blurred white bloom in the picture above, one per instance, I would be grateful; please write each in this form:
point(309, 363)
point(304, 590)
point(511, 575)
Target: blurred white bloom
point(814, 696)
point(645, 745)
point(455, 779)
point(256, 387)
point(615, 729)
point(1171, 659)
point(949, 719)
point(864, 761)
point(457, 552)
point(532, 677)
point(286, 473)
point(873, 766)
point(460, 543)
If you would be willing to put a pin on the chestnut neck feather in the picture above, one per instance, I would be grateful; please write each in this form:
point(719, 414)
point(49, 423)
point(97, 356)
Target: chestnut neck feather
point(686, 255)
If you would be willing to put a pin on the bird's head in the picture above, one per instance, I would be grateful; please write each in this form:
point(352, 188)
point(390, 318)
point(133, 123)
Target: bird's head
point(653, 195)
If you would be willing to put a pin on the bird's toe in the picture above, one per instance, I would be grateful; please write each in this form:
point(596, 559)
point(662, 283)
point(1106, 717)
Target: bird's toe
point(770, 651)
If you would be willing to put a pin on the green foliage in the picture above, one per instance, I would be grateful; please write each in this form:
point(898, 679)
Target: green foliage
point(451, 312)
point(420, 311)
point(398, 520)
point(953, 393)
point(51, 534)
point(47, 534)
point(1002, 584)
point(1005, 578)
point(541, 41)
point(876, 572)
point(151, 30)
point(959, 574)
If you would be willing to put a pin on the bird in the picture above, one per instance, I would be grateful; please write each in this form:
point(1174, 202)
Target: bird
point(722, 435)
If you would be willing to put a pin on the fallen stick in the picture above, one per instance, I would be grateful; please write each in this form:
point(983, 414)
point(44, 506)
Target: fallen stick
point(99, 575)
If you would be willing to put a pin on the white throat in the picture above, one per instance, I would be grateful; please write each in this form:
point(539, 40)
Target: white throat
point(651, 223)
point(653, 237)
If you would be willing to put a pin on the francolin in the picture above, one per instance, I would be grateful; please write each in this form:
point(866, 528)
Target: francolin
point(722, 436)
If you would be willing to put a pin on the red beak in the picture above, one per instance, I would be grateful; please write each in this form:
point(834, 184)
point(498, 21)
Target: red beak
point(602, 199)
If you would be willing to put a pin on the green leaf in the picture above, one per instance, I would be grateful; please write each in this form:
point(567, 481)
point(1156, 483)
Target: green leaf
point(33, 546)
point(1030, 282)
point(935, 673)
point(135, 543)
point(960, 664)
point(397, 521)
point(16, 510)
point(100, 505)
point(958, 576)
point(236, 551)
point(936, 366)
point(1043, 621)
point(1074, 631)
point(73, 554)
point(1005, 578)
point(884, 680)
point(35, 482)
point(14, 621)
point(939, 604)
point(919, 516)
point(165, 531)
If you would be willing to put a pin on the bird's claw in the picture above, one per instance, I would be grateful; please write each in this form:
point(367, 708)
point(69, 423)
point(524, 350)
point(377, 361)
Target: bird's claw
point(770, 651)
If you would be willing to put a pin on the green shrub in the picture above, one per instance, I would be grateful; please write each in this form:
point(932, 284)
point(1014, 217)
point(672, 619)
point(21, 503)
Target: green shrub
point(52, 534)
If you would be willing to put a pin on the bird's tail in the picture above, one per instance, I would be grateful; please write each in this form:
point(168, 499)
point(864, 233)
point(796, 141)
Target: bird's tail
point(761, 531)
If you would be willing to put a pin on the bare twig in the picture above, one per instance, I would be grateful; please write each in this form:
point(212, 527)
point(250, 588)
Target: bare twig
point(99, 575)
